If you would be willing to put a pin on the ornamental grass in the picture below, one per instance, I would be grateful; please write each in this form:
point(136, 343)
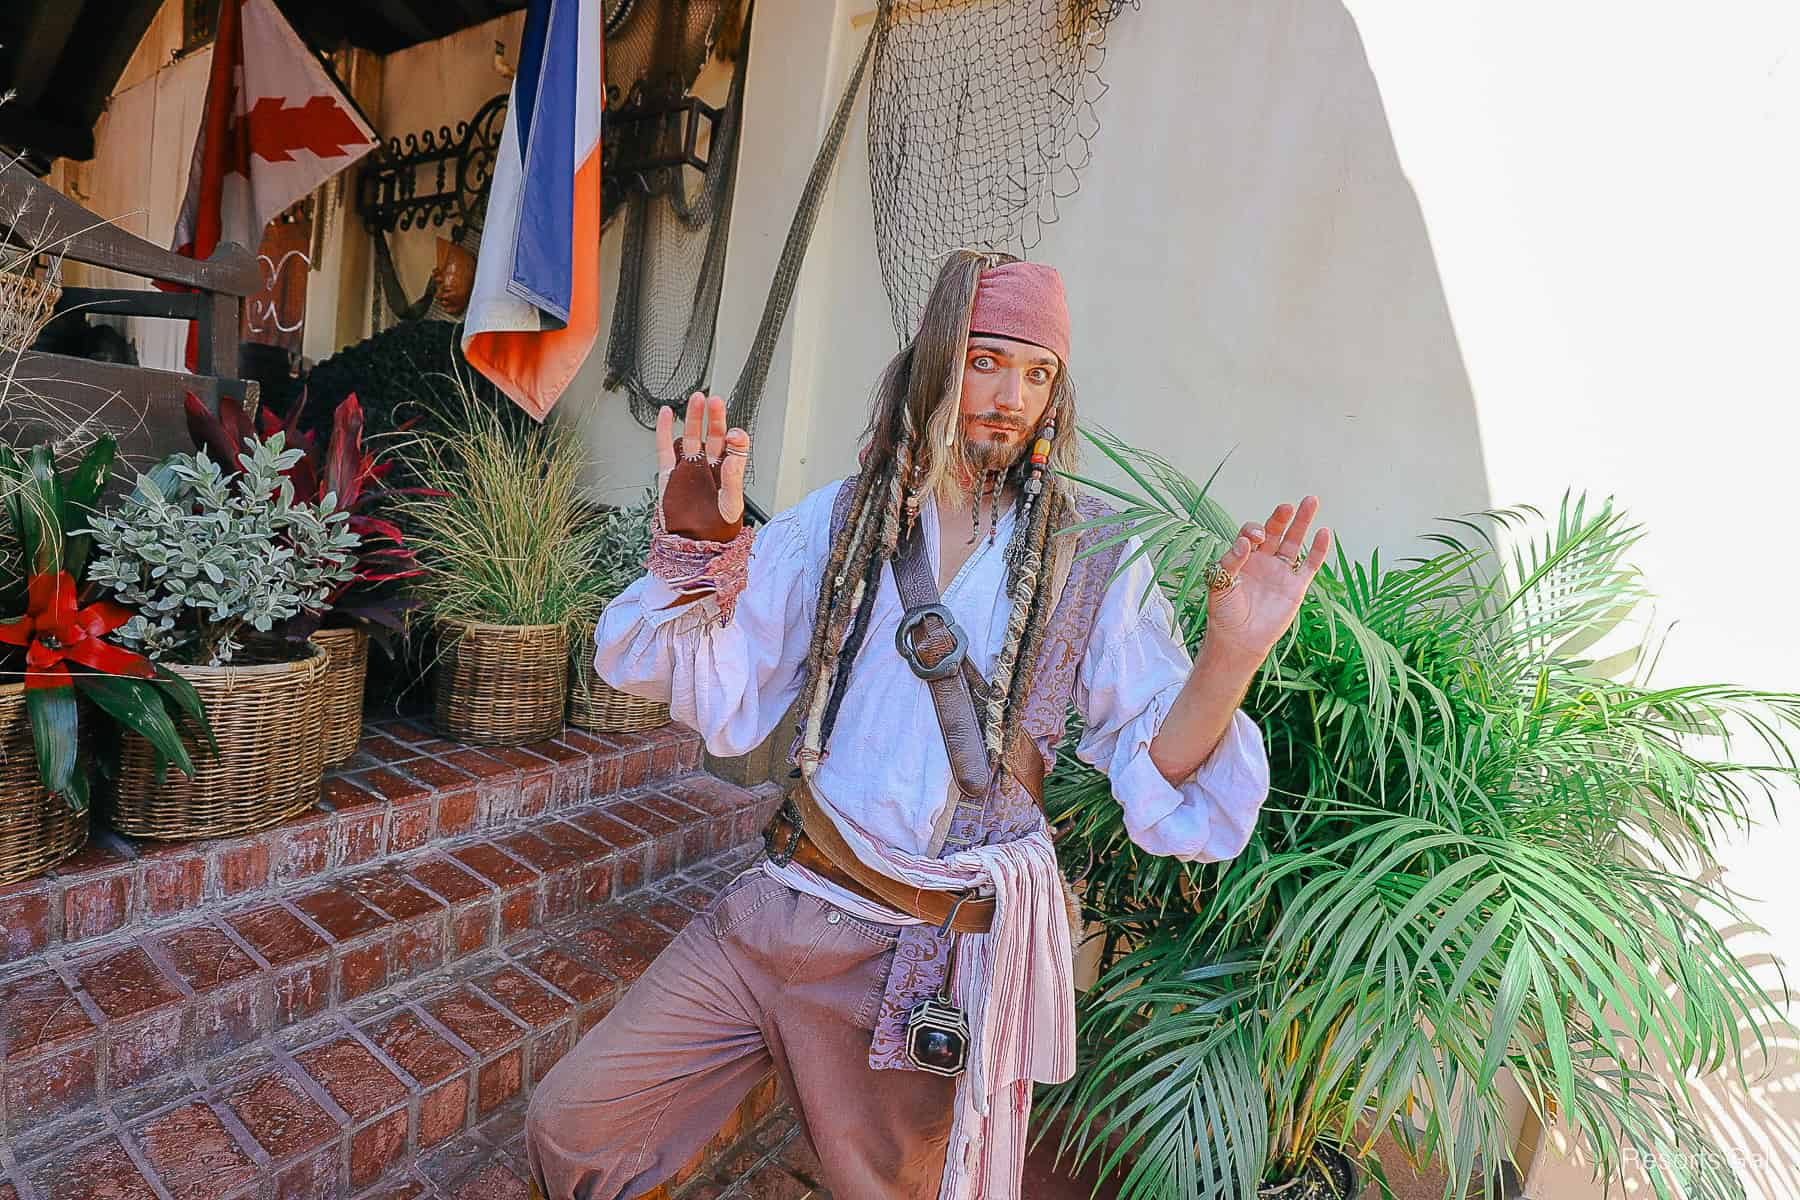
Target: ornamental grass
point(510, 539)
point(31, 269)
point(617, 554)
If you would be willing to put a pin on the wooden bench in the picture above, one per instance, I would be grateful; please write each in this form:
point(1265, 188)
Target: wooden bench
point(141, 406)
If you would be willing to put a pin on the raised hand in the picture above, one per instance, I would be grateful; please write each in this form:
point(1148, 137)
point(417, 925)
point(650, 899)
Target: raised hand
point(1250, 616)
point(700, 475)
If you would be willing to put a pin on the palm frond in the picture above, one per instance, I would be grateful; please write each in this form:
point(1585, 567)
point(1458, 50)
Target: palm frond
point(1481, 852)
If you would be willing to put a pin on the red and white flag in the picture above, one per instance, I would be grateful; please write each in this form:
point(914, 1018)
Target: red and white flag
point(274, 128)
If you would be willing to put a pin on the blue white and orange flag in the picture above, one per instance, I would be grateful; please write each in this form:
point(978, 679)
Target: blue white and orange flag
point(535, 307)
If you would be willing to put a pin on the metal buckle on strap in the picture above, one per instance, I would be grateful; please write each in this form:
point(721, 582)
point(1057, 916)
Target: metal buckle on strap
point(789, 815)
point(911, 620)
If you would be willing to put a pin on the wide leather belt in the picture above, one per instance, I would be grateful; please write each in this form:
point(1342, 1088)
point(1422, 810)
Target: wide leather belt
point(962, 912)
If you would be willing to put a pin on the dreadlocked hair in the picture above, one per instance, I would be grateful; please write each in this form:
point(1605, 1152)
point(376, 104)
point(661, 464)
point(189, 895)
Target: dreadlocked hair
point(913, 444)
point(1029, 580)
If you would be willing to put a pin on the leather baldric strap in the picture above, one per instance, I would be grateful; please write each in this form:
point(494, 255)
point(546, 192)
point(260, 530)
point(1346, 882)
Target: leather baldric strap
point(936, 649)
point(928, 637)
point(823, 850)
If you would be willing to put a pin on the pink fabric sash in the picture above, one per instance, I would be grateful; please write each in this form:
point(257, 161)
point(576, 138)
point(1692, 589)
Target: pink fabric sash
point(1016, 983)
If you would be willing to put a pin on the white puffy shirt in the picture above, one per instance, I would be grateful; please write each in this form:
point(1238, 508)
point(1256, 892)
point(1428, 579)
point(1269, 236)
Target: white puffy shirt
point(886, 763)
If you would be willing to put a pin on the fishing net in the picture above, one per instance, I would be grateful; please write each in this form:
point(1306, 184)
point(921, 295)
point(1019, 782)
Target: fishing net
point(746, 397)
point(676, 218)
point(981, 117)
point(676, 222)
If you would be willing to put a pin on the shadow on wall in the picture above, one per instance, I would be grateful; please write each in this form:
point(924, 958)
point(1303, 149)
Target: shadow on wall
point(1265, 278)
point(1757, 1135)
point(1249, 272)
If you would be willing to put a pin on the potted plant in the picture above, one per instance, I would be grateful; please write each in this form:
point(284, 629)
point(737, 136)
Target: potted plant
point(345, 475)
point(212, 563)
point(622, 544)
point(64, 664)
point(1482, 851)
point(505, 535)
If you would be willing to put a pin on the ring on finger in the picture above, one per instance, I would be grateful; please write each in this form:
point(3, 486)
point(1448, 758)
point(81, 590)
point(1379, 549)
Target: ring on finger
point(1218, 579)
point(737, 451)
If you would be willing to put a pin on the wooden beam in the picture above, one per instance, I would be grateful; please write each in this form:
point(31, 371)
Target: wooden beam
point(414, 22)
point(21, 127)
point(60, 225)
point(105, 37)
point(218, 341)
point(474, 12)
point(141, 407)
point(37, 53)
point(384, 26)
point(130, 302)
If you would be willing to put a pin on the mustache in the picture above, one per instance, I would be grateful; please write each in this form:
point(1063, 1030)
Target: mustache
point(997, 418)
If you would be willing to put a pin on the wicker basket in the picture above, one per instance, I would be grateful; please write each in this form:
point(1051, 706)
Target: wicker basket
point(26, 302)
point(268, 719)
point(37, 830)
point(502, 685)
point(597, 705)
point(346, 670)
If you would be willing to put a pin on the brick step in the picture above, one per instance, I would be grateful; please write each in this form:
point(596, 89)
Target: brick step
point(760, 1145)
point(417, 1089)
point(771, 1160)
point(404, 789)
point(760, 1154)
point(82, 1025)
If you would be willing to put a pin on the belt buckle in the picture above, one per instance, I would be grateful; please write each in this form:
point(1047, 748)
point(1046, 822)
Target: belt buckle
point(910, 620)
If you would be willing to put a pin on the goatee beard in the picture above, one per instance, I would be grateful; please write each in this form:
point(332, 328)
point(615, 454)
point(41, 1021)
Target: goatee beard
point(989, 455)
point(987, 451)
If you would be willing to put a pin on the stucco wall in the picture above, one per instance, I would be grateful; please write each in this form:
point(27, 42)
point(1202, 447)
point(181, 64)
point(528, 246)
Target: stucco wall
point(1609, 192)
point(436, 84)
point(1419, 260)
point(143, 143)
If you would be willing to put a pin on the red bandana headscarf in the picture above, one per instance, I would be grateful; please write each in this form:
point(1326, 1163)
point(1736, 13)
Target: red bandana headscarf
point(1023, 301)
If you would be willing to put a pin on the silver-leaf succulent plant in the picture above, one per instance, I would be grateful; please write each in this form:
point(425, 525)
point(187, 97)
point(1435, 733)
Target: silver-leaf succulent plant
point(205, 558)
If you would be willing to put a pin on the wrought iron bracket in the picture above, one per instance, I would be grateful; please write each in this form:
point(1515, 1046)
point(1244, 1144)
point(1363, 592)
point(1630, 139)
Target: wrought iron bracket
point(433, 176)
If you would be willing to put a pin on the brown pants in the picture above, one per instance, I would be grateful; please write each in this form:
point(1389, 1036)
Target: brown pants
point(766, 977)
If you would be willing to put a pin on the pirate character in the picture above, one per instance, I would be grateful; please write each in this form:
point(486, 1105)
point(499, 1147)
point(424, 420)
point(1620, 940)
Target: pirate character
point(901, 957)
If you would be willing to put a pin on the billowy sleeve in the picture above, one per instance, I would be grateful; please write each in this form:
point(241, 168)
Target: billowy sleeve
point(732, 679)
point(1129, 677)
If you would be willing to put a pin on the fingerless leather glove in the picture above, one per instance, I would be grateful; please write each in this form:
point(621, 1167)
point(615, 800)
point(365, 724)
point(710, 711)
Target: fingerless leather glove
point(690, 501)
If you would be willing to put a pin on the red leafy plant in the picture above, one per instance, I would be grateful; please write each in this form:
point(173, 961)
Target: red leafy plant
point(65, 642)
point(343, 468)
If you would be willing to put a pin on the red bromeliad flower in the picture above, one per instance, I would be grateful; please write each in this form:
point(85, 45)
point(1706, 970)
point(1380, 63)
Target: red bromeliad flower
point(56, 632)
